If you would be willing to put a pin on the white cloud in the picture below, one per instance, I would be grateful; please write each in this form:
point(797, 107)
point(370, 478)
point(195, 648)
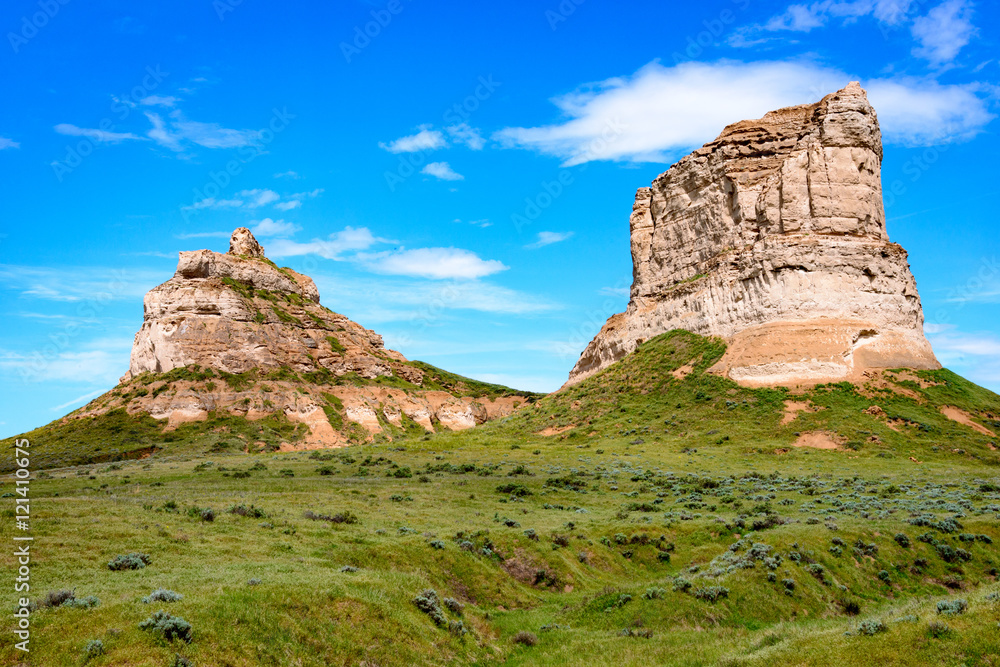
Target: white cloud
point(806, 17)
point(436, 263)
point(97, 135)
point(426, 139)
point(212, 202)
point(159, 101)
point(78, 400)
point(102, 360)
point(204, 235)
point(917, 112)
point(976, 356)
point(944, 31)
point(463, 133)
point(548, 238)
point(288, 174)
point(349, 239)
point(288, 205)
point(175, 130)
point(614, 291)
point(380, 300)
point(270, 228)
point(660, 112)
point(8, 143)
point(259, 197)
point(441, 170)
point(77, 284)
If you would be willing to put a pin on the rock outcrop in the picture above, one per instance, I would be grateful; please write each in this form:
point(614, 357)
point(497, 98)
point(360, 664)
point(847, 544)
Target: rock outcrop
point(235, 334)
point(773, 237)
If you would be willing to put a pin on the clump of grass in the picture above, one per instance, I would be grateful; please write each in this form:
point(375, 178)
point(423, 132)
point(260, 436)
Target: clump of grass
point(937, 629)
point(346, 516)
point(162, 595)
point(644, 633)
point(247, 511)
point(132, 561)
point(168, 627)
point(525, 638)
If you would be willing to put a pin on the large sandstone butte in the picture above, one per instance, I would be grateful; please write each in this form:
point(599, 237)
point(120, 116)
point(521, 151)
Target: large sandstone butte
point(235, 334)
point(773, 237)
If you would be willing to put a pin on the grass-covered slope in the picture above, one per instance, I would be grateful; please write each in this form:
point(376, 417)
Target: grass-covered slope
point(638, 536)
point(113, 427)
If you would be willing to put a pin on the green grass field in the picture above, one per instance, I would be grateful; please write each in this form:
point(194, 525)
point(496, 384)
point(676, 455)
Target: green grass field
point(667, 520)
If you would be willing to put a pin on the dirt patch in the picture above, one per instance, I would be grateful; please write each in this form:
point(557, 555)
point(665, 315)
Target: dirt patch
point(683, 371)
point(793, 408)
point(555, 430)
point(963, 417)
point(818, 440)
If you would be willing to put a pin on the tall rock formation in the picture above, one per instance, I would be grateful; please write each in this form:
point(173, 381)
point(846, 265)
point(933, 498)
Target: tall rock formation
point(234, 334)
point(773, 237)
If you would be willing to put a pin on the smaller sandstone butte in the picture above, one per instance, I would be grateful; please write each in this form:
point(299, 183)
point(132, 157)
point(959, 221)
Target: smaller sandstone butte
point(235, 334)
point(773, 237)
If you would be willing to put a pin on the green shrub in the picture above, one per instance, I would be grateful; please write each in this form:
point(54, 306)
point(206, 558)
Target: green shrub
point(902, 540)
point(711, 593)
point(86, 602)
point(654, 593)
point(247, 511)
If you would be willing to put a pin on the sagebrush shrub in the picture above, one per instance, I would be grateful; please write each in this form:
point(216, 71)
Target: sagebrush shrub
point(872, 626)
point(133, 561)
point(454, 605)
point(937, 629)
point(167, 626)
point(162, 595)
point(952, 607)
point(427, 601)
point(93, 649)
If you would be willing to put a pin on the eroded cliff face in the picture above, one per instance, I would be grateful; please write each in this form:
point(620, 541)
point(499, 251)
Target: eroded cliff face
point(773, 237)
point(235, 334)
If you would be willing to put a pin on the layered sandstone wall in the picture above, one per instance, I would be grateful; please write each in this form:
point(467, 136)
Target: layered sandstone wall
point(773, 237)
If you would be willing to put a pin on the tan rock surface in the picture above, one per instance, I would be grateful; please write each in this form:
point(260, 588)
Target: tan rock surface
point(773, 237)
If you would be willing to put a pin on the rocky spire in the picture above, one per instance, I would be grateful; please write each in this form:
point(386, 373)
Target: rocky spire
point(242, 242)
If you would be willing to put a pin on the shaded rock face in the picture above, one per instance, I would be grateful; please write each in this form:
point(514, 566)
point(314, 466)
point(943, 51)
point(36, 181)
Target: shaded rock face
point(773, 237)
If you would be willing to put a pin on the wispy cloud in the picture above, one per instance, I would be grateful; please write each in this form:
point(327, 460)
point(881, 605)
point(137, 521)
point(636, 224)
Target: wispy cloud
point(273, 228)
point(176, 131)
point(436, 263)
point(944, 31)
point(463, 133)
point(288, 174)
point(441, 170)
point(6, 143)
point(78, 400)
point(159, 101)
point(76, 284)
point(259, 197)
point(426, 139)
point(660, 112)
point(381, 300)
point(100, 136)
point(548, 238)
point(204, 235)
point(101, 360)
point(335, 246)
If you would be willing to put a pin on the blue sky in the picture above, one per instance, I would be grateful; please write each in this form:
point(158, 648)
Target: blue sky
point(455, 176)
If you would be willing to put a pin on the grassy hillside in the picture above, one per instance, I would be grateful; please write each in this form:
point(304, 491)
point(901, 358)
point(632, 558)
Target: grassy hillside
point(667, 519)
